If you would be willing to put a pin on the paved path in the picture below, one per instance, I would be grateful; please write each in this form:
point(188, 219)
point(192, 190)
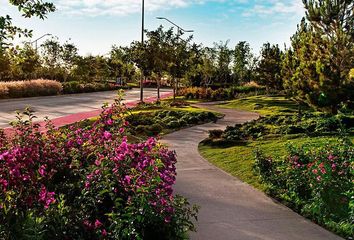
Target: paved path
point(231, 209)
point(60, 106)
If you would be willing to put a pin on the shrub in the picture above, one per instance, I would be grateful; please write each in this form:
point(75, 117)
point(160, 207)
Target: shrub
point(173, 125)
point(220, 93)
point(30, 88)
point(88, 183)
point(79, 87)
point(213, 134)
point(316, 181)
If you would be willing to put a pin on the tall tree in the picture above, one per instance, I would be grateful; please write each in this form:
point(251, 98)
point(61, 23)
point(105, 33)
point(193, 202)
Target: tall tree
point(68, 55)
point(243, 62)
point(324, 49)
point(158, 47)
point(224, 60)
point(269, 67)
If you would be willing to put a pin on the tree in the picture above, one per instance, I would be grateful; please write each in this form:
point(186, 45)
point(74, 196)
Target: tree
point(179, 64)
point(28, 8)
point(52, 62)
point(26, 63)
point(324, 49)
point(69, 55)
point(159, 52)
point(269, 67)
point(224, 60)
point(243, 62)
point(5, 65)
point(119, 63)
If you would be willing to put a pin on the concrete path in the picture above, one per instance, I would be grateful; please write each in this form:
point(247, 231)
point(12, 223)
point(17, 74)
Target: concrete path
point(231, 209)
point(64, 105)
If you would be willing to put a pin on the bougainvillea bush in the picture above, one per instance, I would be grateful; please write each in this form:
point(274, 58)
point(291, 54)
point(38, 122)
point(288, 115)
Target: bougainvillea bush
point(89, 183)
point(318, 182)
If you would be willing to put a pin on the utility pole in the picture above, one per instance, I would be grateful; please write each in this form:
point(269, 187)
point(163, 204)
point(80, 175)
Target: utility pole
point(142, 44)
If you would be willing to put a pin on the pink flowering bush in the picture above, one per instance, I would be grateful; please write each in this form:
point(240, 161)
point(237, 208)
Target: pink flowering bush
point(88, 183)
point(317, 182)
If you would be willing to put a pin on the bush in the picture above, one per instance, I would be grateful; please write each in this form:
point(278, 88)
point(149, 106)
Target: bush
point(30, 88)
point(219, 93)
point(88, 183)
point(78, 87)
point(173, 125)
point(317, 182)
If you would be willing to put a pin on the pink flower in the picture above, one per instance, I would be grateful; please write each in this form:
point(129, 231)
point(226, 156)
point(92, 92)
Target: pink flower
point(323, 170)
point(319, 178)
point(127, 178)
point(121, 130)
point(98, 224)
point(42, 171)
point(107, 135)
point(314, 171)
point(104, 233)
point(109, 122)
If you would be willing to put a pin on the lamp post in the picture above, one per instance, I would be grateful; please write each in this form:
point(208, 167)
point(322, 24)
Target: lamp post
point(179, 31)
point(36, 41)
point(142, 44)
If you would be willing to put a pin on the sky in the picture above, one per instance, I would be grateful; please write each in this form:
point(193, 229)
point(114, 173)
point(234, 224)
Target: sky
point(95, 25)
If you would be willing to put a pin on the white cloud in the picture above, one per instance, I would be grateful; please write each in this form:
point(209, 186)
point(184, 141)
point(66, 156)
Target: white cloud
point(118, 7)
point(294, 7)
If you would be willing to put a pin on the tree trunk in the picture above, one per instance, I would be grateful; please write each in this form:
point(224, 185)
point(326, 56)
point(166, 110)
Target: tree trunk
point(158, 87)
point(174, 89)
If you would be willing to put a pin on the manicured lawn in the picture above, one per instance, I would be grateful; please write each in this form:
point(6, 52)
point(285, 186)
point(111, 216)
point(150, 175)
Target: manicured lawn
point(238, 160)
point(264, 105)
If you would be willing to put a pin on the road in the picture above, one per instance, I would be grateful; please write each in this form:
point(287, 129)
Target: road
point(63, 105)
point(230, 208)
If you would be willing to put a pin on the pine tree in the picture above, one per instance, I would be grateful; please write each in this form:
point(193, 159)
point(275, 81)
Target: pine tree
point(316, 69)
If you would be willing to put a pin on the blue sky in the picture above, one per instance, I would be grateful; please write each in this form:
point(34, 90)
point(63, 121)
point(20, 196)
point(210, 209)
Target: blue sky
point(95, 25)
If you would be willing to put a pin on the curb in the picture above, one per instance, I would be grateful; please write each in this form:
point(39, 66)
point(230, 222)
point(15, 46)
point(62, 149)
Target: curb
point(76, 117)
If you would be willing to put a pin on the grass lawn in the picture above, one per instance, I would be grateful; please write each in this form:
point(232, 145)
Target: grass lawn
point(264, 105)
point(238, 160)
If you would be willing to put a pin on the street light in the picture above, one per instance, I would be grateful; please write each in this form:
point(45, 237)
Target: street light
point(142, 44)
point(36, 41)
point(179, 30)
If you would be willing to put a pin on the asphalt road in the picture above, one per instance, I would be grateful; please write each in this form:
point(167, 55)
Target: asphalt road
point(63, 105)
point(230, 208)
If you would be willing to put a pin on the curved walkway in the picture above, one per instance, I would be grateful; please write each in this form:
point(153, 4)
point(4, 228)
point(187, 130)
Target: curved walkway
point(231, 209)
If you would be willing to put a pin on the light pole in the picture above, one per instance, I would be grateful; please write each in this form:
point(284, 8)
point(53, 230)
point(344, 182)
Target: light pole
point(179, 30)
point(142, 44)
point(36, 41)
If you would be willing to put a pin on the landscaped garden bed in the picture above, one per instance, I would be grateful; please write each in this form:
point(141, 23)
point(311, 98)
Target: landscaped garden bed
point(221, 93)
point(304, 159)
point(89, 183)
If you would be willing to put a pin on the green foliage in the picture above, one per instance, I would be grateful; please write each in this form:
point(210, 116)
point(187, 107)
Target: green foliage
point(28, 8)
point(161, 121)
point(77, 87)
point(277, 125)
point(316, 182)
point(268, 70)
point(220, 93)
point(317, 67)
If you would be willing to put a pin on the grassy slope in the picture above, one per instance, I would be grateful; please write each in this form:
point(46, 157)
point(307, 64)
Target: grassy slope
point(238, 160)
point(264, 105)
